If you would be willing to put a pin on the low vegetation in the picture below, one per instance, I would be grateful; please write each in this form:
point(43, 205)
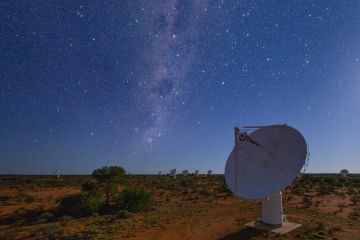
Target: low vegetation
point(80, 204)
point(135, 200)
point(111, 205)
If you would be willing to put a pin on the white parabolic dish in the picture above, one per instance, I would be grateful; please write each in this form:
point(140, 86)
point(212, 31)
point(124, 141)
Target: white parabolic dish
point(255, 172)
point(344, 172)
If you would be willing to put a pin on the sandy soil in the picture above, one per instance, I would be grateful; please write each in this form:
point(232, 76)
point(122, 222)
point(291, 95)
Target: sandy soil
point(198, 212)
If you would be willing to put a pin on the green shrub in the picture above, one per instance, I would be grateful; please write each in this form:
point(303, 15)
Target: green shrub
point(89, 187)
point(20, 211)
point(41, 221)
point(80, 204)
point(65, 219)
point(49, 231)
point(186, 182)
point(355, 215)
point(123, 214)
point(47, 215)
point(320, 226)
point(135, 200)
point(23, 216)
point(29, 199)
point(19, 223)
point(91, 232)
point(6, 200)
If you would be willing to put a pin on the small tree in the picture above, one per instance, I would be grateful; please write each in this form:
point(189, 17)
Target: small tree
point(108, 178)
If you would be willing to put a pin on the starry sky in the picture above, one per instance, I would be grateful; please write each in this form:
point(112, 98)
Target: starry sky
point(154, 85)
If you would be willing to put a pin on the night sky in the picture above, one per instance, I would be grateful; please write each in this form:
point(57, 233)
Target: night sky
point(155, 85)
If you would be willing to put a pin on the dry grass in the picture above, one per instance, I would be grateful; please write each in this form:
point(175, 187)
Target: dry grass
point(186, 208)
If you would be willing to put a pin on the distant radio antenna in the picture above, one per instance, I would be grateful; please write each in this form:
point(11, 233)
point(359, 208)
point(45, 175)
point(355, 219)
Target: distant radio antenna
point(159, 173)
point(196, 172)
point(173, 173)
point(344, 172)
point(185, 172)
point(209, 172)
point(57, 174)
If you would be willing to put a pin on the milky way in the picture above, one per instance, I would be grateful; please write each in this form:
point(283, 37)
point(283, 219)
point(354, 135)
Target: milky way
point(173, 32)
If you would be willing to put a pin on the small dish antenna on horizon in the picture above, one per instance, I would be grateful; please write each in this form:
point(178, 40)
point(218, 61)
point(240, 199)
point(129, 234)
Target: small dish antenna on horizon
point(196, 172)
point(262, 163)
point(57, 174)
point(209, 172)
point(173, 173)
point(344, 172)
point(159, 173)
point(185, 172)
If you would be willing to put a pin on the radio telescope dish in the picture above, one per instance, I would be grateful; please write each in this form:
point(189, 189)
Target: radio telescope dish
point(196, 172)
point(173, 173)
point(256, 171)
point(57, 174)
point(185, 172)
point(344, 172)
point(262, 164)
point(209, 172)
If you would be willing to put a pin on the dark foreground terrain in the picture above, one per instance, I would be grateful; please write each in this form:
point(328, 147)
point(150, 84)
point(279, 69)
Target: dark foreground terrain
point(327, 206)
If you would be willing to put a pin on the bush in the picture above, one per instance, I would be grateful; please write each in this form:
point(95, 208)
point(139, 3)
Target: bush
point(29, 199)
point(80, 204)
point(135, 200)
point(22, 216)
point(65, 219)
point(49, 231)
point(90, 187)
point(123, 214)
point(45, 217)
point(91, 232)
point(187, 182)
point(6, 200)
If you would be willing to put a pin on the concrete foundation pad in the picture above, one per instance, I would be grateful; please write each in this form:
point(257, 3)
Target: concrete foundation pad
point(282, 229)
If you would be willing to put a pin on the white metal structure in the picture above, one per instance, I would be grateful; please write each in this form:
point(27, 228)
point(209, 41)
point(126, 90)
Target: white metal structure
point(272, 210)
point(57, 174)
point(173, 173)
point(159, 173)
point(344, 172)
point(263, 163)
point(209, 172)
point(185, 172)
point(196, 172)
